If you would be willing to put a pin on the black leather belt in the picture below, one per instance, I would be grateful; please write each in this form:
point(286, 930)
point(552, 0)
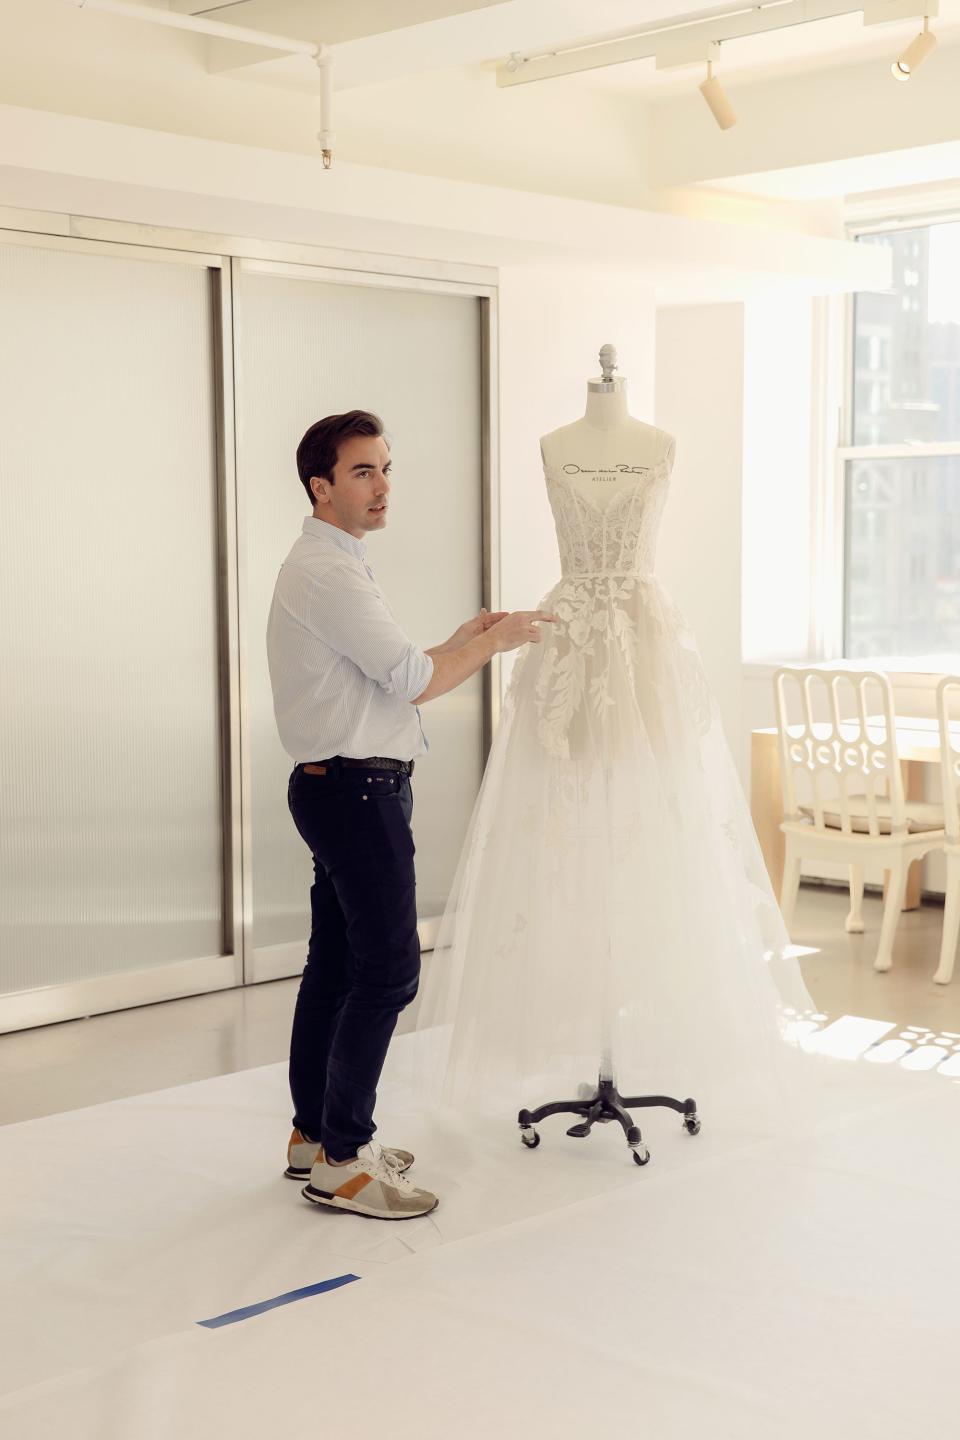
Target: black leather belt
point(373, 762)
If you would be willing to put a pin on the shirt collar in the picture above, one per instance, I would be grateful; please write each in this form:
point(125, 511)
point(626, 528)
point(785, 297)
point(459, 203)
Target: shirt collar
point(323, 530)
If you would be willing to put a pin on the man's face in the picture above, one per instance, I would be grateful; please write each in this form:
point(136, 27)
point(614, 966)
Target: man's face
point(357, 501)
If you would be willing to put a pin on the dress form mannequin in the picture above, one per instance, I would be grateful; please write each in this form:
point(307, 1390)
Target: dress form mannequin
point(611, 910)
point(602, 456)
point(605, 451)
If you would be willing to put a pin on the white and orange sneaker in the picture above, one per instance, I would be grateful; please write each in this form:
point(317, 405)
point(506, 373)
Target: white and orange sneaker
point(373, 1184)
point(302, 1152)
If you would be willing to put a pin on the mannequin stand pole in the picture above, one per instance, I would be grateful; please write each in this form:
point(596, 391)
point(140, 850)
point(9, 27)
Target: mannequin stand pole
point(604, 1105)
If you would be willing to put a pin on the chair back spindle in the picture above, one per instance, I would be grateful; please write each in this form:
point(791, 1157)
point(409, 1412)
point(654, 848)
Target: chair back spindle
point(841, 755)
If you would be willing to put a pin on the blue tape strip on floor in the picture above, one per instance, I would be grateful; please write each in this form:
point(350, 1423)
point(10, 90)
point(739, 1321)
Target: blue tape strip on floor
point(232, 1316)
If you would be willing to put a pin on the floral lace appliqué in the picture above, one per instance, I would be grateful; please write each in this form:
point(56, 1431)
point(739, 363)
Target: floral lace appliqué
point(596, 629)
point(606, 553)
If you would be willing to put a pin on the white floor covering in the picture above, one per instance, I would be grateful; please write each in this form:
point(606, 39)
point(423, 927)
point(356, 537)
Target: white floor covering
point(726, 1290)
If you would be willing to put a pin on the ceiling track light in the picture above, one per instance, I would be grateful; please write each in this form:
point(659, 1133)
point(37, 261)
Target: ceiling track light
point(916, 52)
point(715, 95)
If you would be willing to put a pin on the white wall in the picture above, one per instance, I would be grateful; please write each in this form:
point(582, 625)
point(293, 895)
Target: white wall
point(165, 178)
point(699, 399)
point(777, 478)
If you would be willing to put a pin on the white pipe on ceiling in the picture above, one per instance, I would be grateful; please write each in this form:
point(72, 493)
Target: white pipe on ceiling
point(175, 21)
point(199, 26)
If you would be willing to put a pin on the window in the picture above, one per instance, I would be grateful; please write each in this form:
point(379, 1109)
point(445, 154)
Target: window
point(902, 457)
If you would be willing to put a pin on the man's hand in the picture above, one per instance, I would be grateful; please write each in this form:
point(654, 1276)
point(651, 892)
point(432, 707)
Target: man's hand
point(469, 630)
point(520, 628)
point(487, 635)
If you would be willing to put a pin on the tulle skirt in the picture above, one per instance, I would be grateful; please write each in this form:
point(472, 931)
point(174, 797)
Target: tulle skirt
point(611, 909)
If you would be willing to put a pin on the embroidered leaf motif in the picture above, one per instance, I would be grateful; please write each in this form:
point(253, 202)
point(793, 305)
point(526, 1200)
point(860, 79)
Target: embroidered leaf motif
point(612, 617)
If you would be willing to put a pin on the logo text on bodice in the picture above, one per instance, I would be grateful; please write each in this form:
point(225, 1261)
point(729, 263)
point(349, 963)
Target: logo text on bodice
point(606, 473)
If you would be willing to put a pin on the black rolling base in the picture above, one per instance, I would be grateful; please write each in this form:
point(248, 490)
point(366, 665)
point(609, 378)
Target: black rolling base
point(604, 1105)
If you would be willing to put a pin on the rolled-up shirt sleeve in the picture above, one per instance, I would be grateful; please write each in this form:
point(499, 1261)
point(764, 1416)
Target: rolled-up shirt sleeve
point(412, 676)
point(346, 610)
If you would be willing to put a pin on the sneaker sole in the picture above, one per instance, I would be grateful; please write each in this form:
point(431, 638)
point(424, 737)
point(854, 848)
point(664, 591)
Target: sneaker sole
point(334, 1202)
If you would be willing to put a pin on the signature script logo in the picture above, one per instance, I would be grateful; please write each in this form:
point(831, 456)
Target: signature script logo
point(607, 471)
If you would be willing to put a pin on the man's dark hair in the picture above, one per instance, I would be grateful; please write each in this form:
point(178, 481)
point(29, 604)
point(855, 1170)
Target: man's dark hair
point(317, 451)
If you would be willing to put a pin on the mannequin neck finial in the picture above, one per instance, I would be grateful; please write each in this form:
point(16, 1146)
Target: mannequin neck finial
point(606, 406)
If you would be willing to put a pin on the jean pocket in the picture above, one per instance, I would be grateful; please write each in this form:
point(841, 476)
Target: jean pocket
point(380, 786)
point(377, 823)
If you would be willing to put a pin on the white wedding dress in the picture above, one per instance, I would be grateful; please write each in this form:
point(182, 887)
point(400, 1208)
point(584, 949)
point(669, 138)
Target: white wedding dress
point(611, 899)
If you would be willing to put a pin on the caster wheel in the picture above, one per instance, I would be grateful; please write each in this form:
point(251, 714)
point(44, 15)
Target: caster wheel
point(530, 1138)
point(641, 1155)
point(692, 1125)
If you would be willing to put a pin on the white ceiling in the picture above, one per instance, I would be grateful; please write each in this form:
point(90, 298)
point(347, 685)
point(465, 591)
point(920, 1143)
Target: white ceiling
point(386, 39)
point(418, 93)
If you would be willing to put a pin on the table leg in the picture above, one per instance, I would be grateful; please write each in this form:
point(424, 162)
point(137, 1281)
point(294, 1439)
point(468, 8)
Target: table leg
point(766, 803)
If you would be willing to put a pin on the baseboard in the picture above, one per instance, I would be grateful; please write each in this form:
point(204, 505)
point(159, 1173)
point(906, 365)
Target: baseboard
point(102, 994)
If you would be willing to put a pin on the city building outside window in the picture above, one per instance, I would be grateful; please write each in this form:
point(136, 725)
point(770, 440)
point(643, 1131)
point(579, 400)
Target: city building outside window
point(901, 454)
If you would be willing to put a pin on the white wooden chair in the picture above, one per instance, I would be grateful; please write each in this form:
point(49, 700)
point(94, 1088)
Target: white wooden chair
point(948, 706)
point(858, 813)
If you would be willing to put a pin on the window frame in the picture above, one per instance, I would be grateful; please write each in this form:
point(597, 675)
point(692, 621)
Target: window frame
point(833, 449)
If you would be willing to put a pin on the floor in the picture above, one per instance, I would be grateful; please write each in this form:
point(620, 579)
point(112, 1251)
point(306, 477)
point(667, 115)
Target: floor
point(107, 1057)
point(162, 1278)
point(742, 1286)
point(841, 977)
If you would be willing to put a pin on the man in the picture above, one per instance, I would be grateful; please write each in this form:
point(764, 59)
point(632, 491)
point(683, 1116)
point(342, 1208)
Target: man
point(347, 684)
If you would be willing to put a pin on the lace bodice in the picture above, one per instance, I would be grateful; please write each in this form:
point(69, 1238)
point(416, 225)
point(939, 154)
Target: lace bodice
point(614, 620)
point(615, 536)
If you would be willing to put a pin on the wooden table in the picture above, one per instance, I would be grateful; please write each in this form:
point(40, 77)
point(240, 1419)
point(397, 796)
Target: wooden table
point(918, 744)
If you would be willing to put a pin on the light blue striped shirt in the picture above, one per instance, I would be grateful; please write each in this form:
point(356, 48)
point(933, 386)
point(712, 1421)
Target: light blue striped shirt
point(343, 672)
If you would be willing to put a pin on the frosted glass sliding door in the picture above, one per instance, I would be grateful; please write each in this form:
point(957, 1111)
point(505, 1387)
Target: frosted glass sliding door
point(111, 735)
point(306, 348)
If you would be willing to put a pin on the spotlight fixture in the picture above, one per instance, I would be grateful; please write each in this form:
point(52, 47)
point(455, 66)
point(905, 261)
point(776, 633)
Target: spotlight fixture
point(916, 52)
point(715, 95)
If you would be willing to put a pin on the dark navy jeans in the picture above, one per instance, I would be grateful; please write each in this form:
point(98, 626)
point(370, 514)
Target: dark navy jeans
point(363, 962)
